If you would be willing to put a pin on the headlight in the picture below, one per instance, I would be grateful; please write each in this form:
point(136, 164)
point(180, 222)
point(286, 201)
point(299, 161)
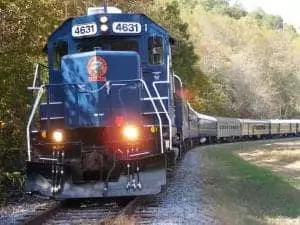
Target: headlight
point(103, 19)
point(131, 132)
point(58, 136)
point(103, 27)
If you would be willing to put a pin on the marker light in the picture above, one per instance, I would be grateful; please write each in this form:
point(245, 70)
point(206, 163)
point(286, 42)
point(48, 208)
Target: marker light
point(153, 129)
point(103, 27)
point(44, 134)
point(103, 19)
point(57, 136)
point(119, 120)
point(131, 132)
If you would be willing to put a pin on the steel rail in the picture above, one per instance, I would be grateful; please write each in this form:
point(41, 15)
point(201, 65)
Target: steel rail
point(60, 212)
point(43, 215)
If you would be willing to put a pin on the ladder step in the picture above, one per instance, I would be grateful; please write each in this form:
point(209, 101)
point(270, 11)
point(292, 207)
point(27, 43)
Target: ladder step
point(149, 113)
point(155, 98)
point(53, 118)
point(52, 103)
point(48, 159)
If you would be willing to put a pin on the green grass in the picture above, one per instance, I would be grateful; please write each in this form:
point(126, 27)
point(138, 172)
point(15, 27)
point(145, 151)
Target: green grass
point(253, 193)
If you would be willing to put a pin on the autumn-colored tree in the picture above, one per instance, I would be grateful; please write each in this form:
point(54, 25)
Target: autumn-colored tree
point(251, 59)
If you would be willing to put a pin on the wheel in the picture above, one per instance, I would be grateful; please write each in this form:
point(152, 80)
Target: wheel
point(181, 150)
point(171, 159)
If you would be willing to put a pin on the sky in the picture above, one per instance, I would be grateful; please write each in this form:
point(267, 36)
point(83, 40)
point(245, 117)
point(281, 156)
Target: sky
point(289, 10)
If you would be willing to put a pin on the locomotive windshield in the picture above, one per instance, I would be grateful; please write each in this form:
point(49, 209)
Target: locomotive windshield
point(110, 44)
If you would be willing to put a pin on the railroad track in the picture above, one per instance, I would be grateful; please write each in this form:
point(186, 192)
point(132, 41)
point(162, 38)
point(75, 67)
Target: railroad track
point(147, 210)
point(75, 212)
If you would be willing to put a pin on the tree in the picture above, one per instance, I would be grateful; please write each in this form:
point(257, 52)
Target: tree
point(252, 63)
point(236, 11)
point(270, 21)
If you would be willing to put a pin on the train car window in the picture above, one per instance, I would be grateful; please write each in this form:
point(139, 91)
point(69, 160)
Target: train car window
point(155, 50)
point(108, 44)
point(60, 49)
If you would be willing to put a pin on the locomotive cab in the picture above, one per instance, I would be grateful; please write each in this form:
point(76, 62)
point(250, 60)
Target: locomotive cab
point(106, 122)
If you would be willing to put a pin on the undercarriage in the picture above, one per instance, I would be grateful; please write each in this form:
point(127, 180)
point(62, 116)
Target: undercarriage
point(94, 174)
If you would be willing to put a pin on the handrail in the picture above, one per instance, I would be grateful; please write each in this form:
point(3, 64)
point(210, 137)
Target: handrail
point(158, 116)
point(37, 69)
point(36, 75)
point(106, 85)
point(179, 79)
point(37, 100)
point(162, 104)
point(164, 109)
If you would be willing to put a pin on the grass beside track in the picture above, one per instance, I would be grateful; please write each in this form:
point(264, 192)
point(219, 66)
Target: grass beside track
point(246, 191)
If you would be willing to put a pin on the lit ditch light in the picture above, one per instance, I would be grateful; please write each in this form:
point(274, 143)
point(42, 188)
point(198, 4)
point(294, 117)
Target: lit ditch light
point(58, 136)
point(131, 132)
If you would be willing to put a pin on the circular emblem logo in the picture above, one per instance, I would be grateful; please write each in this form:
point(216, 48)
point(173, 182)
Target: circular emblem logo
point(97, 68)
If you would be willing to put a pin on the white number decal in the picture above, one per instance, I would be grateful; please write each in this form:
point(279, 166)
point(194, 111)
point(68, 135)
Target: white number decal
point(84, 30)
point(123, 27)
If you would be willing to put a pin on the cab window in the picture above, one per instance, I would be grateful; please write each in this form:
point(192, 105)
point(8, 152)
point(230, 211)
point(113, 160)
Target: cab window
point(108, 44)
point(60, 49)
point(155, 50)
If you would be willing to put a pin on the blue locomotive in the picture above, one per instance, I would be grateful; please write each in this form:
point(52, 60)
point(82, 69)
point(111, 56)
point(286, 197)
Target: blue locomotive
point(111, 116)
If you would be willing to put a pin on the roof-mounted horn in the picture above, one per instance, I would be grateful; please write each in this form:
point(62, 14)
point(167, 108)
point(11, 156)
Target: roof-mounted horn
point(103, 10)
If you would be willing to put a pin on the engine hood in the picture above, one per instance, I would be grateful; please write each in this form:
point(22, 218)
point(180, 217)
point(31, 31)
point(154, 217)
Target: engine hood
point(87, 102)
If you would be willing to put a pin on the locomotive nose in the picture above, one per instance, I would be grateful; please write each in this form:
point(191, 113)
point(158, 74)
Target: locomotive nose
point(89, 102)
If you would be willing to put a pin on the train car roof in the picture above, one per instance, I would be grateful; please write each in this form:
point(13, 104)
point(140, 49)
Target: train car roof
point(206, 117)
point(284, 121)
point(199, 115)
point(191, 108)
point(253, 121)
point(227, 118)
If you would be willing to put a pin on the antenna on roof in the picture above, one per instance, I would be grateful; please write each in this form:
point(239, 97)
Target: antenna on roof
point(105, 6)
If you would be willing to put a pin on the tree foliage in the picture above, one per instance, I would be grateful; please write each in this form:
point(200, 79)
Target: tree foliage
point(251, 59)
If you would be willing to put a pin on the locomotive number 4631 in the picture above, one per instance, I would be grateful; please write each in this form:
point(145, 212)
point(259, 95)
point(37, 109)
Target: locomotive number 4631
point(84, 29)
point(127, 27)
